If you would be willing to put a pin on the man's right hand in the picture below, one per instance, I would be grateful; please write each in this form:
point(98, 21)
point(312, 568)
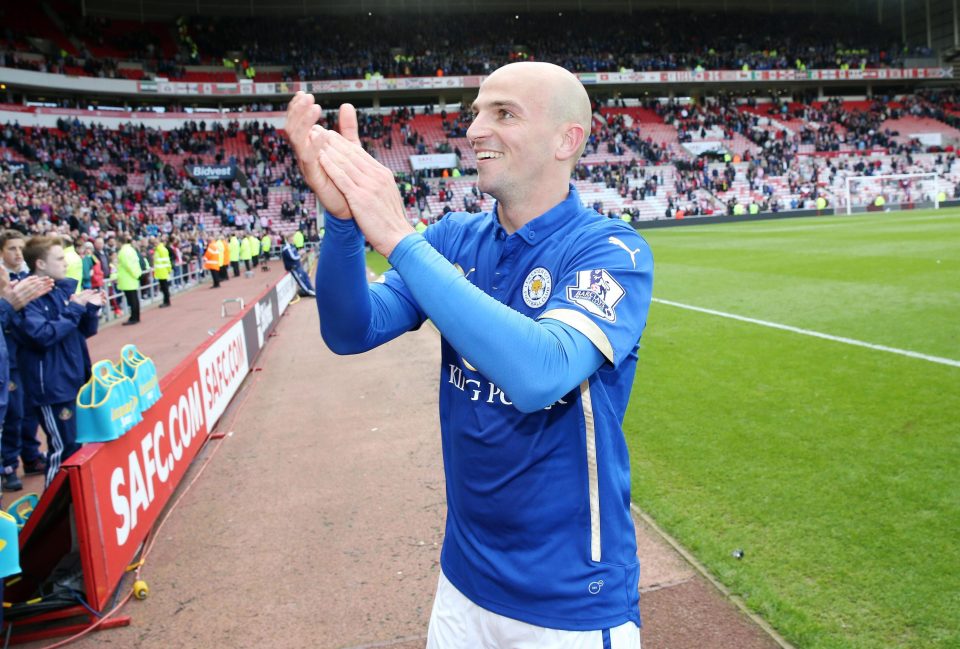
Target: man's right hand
point(302, 116)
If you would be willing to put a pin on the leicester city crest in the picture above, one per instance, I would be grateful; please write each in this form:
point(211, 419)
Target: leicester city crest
point(536, 288)
point(597, 292)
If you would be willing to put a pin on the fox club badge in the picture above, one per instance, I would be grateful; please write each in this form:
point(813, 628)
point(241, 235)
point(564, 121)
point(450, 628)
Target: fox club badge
point(66, 414)
point(597, 292)
point(536, 288)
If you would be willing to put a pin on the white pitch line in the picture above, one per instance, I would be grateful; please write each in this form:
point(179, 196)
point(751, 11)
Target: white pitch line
point(815, 334)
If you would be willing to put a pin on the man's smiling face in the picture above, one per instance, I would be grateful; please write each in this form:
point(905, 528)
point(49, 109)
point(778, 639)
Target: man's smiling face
point(512, 133)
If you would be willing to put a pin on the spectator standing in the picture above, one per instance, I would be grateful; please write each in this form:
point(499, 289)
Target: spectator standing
point(54, 360)
point(234, 248)
point(13, 298)
point(254, 249)
point(213, 259)
point(246, 254)
point(180, 271)
point(98, 272)
point(112, 287)
point(74, 261)
point(102, 254)
point(128, 277)
point(266, 243)
point(161, 270)
point(19, 438)
point(89, 264)
point(140, 247)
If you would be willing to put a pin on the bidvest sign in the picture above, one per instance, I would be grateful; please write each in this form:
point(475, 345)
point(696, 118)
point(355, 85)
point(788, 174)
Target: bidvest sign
point(212, 172)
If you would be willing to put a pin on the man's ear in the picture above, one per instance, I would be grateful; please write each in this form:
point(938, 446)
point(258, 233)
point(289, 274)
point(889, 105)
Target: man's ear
point(571, 139)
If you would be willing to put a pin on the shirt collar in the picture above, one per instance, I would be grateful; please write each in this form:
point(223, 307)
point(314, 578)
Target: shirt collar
point(540, 228)
point(68, 284)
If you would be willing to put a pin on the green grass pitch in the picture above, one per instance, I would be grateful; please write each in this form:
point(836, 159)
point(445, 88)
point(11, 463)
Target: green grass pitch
point(835, 468)
point(377, 263)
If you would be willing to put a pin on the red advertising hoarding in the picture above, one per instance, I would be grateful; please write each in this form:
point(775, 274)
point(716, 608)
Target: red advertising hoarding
point(108, 496)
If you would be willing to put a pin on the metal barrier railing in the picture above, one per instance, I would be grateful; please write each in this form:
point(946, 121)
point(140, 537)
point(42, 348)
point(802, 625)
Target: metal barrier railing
point(117, 307)
point(230, 300)
point(179, 281)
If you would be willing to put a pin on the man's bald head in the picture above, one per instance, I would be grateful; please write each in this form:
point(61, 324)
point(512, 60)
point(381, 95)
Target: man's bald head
point(566, 100)
point(530, 126)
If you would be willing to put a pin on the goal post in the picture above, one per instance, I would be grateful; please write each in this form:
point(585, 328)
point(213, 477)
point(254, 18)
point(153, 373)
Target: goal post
point(894, 191)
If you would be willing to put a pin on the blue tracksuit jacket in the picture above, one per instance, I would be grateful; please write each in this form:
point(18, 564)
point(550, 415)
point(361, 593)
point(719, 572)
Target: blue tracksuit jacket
point(54, 360)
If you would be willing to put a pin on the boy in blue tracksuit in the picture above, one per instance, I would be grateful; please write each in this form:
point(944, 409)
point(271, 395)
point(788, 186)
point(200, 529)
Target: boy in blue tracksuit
point(13, 298)
point(54, 360)
point(19, 437)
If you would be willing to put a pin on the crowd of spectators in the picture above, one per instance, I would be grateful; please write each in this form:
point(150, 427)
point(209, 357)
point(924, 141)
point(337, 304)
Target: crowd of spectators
point(125, 105)
point(616, 136)
point(359, 46)
point(827, 125)
point(134, 179)
point(801, 179)
point(61, 62)
point(403, 45)
point(140, 43)
point(84, 175)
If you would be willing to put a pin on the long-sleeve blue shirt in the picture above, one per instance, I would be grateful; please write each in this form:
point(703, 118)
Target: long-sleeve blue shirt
point(540, 330)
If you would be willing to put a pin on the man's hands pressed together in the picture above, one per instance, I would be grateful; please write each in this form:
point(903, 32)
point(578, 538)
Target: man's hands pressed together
point(302, 116)
point(370, 190)
point(345, 178)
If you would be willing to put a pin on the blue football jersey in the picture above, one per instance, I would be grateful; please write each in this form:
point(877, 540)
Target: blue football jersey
point(538, 525)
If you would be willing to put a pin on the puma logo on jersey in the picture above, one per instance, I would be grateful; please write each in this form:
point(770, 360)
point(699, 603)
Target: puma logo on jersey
point(620, 244)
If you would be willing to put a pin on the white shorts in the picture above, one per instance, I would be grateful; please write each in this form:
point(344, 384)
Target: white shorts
point(458, 623)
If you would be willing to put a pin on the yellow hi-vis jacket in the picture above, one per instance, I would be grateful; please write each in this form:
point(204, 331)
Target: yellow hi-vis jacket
point(233, 248)
point(161, 262)
point(128, 268)
point(74, 266)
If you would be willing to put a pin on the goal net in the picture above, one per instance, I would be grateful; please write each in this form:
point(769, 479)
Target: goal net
point(893, 192)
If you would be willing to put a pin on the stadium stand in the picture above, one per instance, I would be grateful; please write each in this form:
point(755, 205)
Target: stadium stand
point(648, 158)
point(395, 46)
point(658, 150)
point(636, 161)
